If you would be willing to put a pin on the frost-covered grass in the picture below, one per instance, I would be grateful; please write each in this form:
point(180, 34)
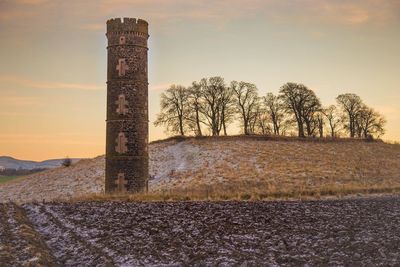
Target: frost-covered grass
point(251, 168)
point(234, 168)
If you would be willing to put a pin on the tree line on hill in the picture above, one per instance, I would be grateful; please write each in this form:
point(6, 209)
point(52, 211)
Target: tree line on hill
point(19, 172)
point(209, 106)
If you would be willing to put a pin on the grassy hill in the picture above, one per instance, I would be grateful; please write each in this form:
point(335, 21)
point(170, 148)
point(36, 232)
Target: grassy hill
point(235, 167)
point(283, 167)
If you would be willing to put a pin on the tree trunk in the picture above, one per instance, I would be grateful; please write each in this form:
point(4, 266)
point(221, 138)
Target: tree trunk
point(351, 126)
point(308, 126)
point(275, 124)
point(199, 133)
point(301, 128)
point(321, 131)
point(332, 131)
point(181, 125)
point(223, 120)
point(224, 126)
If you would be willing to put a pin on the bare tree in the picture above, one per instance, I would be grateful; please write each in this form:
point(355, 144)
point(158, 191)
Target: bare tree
point(289, 127)
point(351, 105)
point(331, 114)
point(255, 116)
point(246, 102)
point(210, 93)
point(195, 106)
point(263, 122)
point(311, 114)
point(228, 110)
point(174, 109)
point(369, 123)
point(302, 103)
point(217, 104)
point(211, 105)
point(275, 109)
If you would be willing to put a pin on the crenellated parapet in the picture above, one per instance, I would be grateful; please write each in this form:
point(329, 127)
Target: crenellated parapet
point(127, 25)
point(129, 31)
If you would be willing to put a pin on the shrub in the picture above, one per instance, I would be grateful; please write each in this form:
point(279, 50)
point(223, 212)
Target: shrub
point(67, 162)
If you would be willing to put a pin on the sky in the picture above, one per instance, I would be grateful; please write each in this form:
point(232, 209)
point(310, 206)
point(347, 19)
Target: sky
point(53, 60)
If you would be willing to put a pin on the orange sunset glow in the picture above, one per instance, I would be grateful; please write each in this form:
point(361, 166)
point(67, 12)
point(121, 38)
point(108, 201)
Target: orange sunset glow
point(53, 60)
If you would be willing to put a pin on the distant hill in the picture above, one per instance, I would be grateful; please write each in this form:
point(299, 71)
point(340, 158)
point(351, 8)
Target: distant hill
point(12, 163)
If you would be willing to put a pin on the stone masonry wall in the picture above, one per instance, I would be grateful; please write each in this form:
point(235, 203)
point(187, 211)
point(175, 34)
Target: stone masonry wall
point(127, 106)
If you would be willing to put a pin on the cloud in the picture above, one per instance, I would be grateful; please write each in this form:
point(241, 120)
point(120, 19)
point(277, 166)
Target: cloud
point(13, 14)
point(206, 10)
point(91, 15)
point(354, 12)
point(345, 13)
point(19, 101)
point(13, 114)
point(54, 138)
point(32, 2)
point(93, 26)
point(25, 82)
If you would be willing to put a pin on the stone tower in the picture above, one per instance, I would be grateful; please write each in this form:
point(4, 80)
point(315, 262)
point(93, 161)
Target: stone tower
point(127, 166)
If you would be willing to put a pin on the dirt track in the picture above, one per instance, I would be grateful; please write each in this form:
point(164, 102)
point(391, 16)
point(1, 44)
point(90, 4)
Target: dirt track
point(20, 244)
point(356, 232)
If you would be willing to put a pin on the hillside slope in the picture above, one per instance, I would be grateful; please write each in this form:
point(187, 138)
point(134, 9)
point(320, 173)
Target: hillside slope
point(226, 164)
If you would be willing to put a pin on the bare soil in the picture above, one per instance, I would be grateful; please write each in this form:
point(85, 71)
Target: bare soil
point(352, 232)
point(20, 244)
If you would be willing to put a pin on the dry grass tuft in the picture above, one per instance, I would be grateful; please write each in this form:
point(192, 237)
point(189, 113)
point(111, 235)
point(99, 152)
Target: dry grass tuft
point(213, 193)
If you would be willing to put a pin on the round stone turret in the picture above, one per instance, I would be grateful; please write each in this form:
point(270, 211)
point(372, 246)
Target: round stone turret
point(127, 106)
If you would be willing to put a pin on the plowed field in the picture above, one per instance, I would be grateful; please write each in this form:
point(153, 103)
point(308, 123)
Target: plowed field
point(352, 232)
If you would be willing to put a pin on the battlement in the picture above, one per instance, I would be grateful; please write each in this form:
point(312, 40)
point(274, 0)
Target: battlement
point(127, 25)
